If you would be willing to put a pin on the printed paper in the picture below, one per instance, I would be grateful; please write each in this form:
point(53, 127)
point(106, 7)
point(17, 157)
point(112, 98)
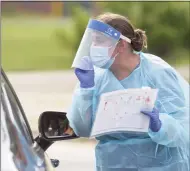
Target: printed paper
point(120, 111)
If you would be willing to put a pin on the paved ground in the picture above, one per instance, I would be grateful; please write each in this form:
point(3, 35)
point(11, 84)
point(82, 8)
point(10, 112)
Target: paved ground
point(73, 156)
point(42, 91)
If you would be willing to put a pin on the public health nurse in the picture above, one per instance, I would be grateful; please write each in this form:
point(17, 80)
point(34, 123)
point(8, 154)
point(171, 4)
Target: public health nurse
point(110, 58)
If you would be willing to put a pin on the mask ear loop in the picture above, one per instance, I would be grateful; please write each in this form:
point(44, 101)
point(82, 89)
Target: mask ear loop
point(124, 38)
point(116, 53)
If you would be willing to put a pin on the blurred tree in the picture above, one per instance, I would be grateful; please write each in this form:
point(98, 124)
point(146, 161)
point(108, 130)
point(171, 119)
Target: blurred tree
point(166, 25)
point(70, 36)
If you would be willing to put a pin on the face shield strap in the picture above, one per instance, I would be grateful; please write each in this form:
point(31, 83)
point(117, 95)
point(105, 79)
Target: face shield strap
point(125, 38)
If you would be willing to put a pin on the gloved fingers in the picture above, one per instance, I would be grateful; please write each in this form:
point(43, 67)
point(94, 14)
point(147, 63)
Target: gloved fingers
point(155, 110)
point(147, 113)
point(78, 70)
point(86, 77)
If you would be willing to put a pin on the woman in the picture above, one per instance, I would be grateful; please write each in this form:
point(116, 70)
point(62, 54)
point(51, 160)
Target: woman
point(122, 65)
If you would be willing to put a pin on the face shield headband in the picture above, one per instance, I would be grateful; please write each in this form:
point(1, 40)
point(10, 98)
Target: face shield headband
point(107, 30)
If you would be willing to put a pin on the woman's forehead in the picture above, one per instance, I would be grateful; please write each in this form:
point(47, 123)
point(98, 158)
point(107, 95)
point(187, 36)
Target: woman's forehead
point(101, 38)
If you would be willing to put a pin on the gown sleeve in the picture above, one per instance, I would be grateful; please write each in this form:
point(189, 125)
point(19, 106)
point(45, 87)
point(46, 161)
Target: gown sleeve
point(173, 104)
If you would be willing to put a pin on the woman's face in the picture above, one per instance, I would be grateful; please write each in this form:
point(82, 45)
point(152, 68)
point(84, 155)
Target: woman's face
point(119, 48)
point(106, 42)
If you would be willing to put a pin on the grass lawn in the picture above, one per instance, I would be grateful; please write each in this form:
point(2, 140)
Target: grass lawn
point(30, 44)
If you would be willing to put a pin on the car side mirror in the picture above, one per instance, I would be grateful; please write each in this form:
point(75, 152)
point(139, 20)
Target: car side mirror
point(54, 126)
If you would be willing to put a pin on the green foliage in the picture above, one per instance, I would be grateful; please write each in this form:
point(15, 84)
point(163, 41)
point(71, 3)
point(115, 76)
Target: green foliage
point(166, 25)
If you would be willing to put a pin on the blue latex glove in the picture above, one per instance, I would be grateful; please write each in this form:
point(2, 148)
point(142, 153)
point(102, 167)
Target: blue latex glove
point(155, 123)
point(85, 73)
point(86, 77)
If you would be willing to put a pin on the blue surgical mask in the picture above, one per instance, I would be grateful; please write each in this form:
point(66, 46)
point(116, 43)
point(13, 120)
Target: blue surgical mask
point(100, 57)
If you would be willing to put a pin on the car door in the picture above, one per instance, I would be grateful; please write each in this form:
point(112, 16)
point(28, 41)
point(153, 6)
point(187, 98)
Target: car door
point(18, 140)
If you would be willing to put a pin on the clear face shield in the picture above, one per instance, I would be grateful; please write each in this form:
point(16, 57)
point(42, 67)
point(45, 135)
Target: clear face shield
point(97, 45)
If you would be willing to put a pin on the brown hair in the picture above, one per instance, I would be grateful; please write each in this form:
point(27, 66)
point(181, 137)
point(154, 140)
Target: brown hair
point(125, 27)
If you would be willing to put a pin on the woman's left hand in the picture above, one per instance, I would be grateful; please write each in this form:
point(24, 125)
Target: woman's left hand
point(155, 123)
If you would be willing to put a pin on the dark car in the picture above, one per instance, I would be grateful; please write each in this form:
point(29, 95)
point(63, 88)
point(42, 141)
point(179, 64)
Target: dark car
point(19, 150)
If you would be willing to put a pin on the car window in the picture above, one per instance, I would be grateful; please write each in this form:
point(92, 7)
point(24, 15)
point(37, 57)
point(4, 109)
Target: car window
point(15, 111)
point(7, 144)
point(16, 151)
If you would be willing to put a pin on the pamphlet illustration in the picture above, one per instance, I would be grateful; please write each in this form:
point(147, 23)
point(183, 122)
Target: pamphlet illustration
point(120, 111)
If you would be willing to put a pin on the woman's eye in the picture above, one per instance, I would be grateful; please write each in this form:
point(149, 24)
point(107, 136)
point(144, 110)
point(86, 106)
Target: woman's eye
point(99, 40)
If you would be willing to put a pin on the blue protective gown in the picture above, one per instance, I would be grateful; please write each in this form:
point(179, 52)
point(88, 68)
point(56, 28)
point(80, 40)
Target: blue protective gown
point(166, 150)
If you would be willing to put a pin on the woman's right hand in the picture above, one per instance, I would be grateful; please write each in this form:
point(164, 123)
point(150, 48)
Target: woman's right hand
point(86, 77)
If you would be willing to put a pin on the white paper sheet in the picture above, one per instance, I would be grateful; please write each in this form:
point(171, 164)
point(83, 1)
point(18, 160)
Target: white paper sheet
point(120, 111)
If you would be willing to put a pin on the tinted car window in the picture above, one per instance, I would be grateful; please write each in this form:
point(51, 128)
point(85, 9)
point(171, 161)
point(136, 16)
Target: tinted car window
point(7, 145)
point(15, 111)
point(17, 154)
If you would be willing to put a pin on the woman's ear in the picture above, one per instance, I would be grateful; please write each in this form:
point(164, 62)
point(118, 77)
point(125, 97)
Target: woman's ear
point(122, 45)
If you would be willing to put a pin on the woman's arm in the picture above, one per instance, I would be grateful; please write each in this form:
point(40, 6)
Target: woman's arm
point(80, 113)
point(174, 109)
